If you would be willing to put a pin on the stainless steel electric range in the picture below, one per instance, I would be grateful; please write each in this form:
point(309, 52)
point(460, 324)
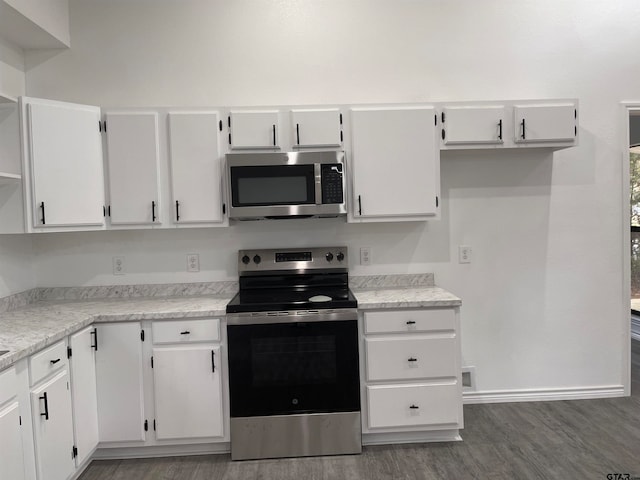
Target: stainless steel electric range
point(293, 355)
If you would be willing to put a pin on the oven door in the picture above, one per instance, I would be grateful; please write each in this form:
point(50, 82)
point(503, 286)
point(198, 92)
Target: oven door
point(293, 368)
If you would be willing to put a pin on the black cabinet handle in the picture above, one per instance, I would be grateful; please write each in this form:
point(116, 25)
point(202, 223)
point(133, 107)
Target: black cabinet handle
point(524, 135)
point(53, 362)
point(46, 406)
point(500, 130)
point(213, 361)
point(94, 345)
point(298, 133)
point(414, 407)
point(411, 359)
point(411, 322)
point(274, 135)
point(177, 211)
point(359, 205)
point(186, 332)
point(42, 208)
point(153, 211)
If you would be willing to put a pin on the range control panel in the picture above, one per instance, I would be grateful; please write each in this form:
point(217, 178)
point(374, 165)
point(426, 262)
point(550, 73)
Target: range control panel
point(292, 259)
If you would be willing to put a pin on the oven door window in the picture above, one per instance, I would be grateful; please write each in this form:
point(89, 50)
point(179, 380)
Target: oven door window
point(258, 186)
point(280, 369)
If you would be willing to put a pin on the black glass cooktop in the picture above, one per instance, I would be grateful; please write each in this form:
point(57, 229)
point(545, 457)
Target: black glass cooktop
point(292, 298)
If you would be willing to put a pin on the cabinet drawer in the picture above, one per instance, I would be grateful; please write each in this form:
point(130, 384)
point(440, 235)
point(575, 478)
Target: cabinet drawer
point(8, 385)
point(398, 321)
point(185, 331)
point(410, 358)
point(413, 405)
point(48, 361)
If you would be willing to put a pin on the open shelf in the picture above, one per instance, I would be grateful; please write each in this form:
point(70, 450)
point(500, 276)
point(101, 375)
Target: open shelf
point(9, 178)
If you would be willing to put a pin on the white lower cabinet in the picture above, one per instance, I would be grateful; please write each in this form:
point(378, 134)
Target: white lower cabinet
point(187, 391)
point(53, 427)
point(84, 393)
point(187, 380)
point(12, 466)
point(120, 383)
point(412, 374)
point(11, 454)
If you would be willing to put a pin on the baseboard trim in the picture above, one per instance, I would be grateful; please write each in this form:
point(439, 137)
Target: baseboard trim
point(411, 437)
point(117, 453)
point(543, 394)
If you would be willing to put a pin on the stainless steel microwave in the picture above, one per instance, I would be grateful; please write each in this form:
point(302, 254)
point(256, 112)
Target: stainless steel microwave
point(286, 185)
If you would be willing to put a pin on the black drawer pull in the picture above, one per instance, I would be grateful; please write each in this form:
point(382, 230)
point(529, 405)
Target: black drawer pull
point(213, 361)
point(524, 134)
point(186, 332)
point(414, 407)
point(177, 211)
point(46, 406)
point(411, 322)
point(500, 130)
point(274, 135)
point(411, 359)
point(42, 208)
point(94, 345)
point(53, 362)
point(153, 211)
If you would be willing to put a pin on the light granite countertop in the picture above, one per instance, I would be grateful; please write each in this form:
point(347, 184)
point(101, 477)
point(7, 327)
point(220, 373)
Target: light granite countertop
point(26, 330)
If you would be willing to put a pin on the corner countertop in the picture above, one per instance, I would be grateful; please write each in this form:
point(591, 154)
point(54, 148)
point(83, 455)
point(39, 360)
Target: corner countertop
point(29, 329)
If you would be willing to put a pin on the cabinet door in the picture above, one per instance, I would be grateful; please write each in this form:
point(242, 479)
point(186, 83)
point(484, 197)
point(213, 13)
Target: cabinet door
point(53, 428)
point(254, 129)
point(188, 392)
point(473, 125)
point(120, 383)
point(196, 167)
point(84, 392)
point(396, 162)
point(65, 148)
point(132, 159)
point(317, 128)
point(11, 454)
point(546, 123)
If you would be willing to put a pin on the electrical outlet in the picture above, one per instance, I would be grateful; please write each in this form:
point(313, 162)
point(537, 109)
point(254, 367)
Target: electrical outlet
point(193, 262)
point(118, 265)
point(365, 255)
point(464, 254)
point(468, 378)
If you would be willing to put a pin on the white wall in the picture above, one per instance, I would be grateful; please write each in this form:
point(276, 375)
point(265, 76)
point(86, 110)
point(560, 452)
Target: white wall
point(50, 15)
point(12, 79)
point(542, 300)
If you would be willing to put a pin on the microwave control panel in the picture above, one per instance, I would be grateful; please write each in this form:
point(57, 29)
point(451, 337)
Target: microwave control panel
point(332, 190)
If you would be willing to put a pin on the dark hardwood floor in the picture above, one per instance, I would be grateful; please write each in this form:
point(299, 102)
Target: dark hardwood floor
point(582, 439)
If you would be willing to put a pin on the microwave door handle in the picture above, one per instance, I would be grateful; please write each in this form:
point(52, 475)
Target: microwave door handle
point(318, 175)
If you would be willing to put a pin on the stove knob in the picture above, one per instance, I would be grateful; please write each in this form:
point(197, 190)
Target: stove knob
point(257, 259)
point(340, 256)
point(246, 259)
point(329, 256)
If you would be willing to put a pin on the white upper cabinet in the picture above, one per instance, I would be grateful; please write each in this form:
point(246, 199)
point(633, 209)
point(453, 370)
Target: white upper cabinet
point(395, 164)
point(254, 129)
point(64, 153)
point(546, 123)
point(133, 163)
point(317, 128)
point(473, 125)
point(196, 167)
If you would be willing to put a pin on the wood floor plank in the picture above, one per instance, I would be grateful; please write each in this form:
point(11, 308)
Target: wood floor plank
point(528, 441)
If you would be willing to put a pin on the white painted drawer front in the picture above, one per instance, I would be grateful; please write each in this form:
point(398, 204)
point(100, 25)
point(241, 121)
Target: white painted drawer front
point(48, 361)
point(398, 321)
point(410, 358)
point(8, 385)
point(412, 405)
point(184, 331)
